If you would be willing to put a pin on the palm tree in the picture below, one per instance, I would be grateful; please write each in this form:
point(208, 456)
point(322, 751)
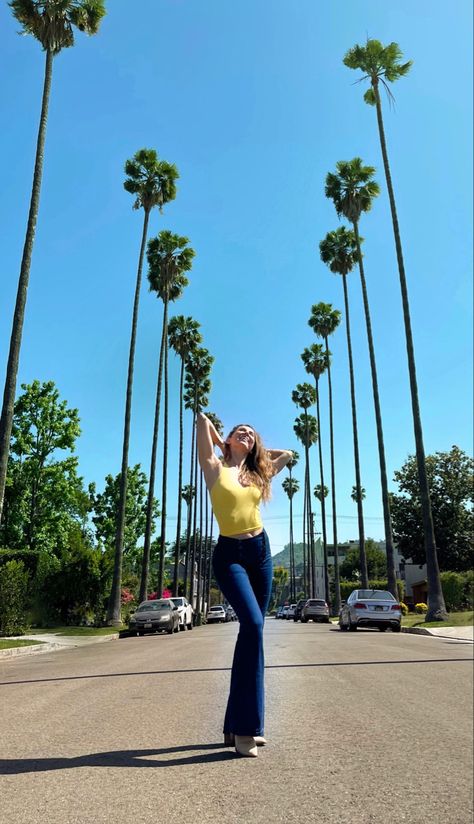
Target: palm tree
point(315, 361)
point(183, 338)
point(320, 492)
point(352, 190)
point(355, 493)
point(306, 430)
point(324, 321)
point(169, 256)
point(290, 466)
point(197, 387)
point(52, 24)
point(382, 64)
point(152, 181)
point(338, 250)
point(291, 487)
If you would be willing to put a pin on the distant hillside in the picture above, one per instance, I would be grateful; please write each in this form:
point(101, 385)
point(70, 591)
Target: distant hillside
point(283, 558)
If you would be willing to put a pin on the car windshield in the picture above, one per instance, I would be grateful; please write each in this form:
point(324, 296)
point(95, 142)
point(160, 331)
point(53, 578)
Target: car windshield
point(216, 609)
point(153, 606)
point(374, 595)
point(178, 602)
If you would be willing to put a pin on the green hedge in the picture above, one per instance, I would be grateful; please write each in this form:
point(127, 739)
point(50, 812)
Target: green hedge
point(458, 590)
point(13, 589)
point(348, 586)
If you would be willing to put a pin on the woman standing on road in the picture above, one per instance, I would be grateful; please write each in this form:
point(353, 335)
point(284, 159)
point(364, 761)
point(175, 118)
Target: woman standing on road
point(242, 564)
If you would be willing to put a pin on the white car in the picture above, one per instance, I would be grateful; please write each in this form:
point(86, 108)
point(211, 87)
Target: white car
point(216, 615)
point(185, 612)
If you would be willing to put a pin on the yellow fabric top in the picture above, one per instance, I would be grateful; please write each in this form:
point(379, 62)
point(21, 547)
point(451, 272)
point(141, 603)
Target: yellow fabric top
point(236, 507)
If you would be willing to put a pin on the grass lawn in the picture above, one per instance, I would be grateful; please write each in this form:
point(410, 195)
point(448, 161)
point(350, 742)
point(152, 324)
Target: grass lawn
point(76, 630)
point(456, 619)
point(7, 643)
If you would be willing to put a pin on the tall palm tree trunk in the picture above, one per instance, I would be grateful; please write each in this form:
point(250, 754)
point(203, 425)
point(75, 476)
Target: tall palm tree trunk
point(190, 505)
point(391, 574)
point(436, 605)
point(323, 502)
point(337, 584)
point(209, 580)
point(194, 544)
point(113, 614)
point(292, 558)
point(165, 461)
point(151, 482)
point(199, 558)
point(309, 530)
point(180, 484)
point(360, 514)
point(9, 392)
point(305, 499)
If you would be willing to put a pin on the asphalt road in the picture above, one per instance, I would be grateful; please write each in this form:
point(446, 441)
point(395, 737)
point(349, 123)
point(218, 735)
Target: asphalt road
point(364, 727)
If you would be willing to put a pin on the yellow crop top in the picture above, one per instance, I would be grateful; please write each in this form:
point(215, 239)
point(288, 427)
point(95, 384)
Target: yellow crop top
point(236, 507)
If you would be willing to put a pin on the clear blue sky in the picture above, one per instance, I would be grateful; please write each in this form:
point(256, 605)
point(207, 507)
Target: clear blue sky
point(253, 104)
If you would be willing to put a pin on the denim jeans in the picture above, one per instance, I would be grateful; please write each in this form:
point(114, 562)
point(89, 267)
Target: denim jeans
point(243, 570)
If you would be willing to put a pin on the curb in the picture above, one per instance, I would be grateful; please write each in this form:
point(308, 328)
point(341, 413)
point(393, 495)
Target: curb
point(35, 648)
point(50, 646)
point(422, 631)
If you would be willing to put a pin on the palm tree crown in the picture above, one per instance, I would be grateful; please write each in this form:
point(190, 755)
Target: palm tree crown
point(184, 335)
point(304, 395)
point(293, 460)
point(306, 429)
point(352, 188)
point(379, 63)
point(291, 486)
point(168, 257)
point(53, 22)
point(315, 360)
point(324, 319)
point(339, 251)
point(150, 179)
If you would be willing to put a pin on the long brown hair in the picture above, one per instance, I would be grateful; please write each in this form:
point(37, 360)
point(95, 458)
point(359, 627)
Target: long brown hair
point(257, 469)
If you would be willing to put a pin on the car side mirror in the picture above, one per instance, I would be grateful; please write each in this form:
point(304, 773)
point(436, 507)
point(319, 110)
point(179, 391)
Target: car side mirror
point(174, 608)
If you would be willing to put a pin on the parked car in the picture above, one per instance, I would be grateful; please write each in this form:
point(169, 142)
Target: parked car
point(230, 613)
point(160, 615)
point(185, 612)
point(279, 612)
point(298, 608)
point(284, 611)
point(315, 609)
point(370, 608)
point(216, 615)
point(291, 612)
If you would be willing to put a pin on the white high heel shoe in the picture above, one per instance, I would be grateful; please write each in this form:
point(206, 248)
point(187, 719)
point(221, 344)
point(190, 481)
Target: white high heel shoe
point(246, 745)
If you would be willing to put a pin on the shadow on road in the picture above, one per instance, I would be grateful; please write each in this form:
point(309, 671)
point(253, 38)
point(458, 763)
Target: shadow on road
point(121, 758)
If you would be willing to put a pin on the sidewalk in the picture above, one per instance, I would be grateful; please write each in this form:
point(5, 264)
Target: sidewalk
point(52, 641)
point(454, 633)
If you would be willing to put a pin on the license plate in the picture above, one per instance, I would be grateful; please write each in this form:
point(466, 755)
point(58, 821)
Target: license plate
point(379, 609)
point(147, 625)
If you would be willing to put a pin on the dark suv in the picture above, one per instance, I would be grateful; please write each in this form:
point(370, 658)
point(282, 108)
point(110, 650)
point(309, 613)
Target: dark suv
point(299, 607)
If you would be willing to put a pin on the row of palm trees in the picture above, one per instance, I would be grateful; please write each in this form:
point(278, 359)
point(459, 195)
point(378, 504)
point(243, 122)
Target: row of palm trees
point(352, 189)
point(153, 182)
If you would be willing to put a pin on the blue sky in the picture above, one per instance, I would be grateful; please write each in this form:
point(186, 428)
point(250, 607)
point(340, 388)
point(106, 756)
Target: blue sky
point(253, 104)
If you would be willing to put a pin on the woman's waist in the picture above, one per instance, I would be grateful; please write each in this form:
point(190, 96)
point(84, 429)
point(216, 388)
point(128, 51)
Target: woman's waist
point(244, 536)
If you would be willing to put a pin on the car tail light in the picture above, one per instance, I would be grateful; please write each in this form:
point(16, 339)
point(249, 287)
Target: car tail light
point(360, 606)
point(396, 606)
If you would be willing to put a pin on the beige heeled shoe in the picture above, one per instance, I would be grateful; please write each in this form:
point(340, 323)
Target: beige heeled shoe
point(229, 740)
point(246, 745)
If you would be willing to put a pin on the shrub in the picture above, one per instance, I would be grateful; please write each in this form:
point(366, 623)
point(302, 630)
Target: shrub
point(13, 590)
point(348, 586)
point(421, 609)
point(403, 608)
point(457, 590)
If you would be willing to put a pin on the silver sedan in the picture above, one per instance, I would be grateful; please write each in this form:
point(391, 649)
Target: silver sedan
point(370, 608)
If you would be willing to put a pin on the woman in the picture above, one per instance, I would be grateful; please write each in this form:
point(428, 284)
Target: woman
point(242, 563)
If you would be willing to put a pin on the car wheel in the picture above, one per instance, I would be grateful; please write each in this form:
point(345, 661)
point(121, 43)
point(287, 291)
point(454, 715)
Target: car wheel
point(383, 629)
point(182, 627)
point(190, 626)
point(140, 634)
point(351, 627)
point(170, 631)
point(398, 628)
point(343, 627)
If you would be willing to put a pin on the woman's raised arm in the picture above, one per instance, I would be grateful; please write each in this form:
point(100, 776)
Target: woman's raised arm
point(207, 438)
point(279, 458)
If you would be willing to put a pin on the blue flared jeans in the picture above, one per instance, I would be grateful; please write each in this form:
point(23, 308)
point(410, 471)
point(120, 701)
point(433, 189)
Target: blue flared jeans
point(243, 570)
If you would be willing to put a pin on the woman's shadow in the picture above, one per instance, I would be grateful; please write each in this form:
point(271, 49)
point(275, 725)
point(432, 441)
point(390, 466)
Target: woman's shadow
point(121, 758)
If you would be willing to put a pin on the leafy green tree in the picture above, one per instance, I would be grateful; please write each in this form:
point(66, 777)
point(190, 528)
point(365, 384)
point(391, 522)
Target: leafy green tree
point(184, 336)
point(450, 478)
point(383, 65)
point(306, 430)
point(52, 24)
point(13, 592)
point(338, 251)
point(169, 257)
point(376, 563)
point(280, 581)
point(352, 190)
point(324, 321)
point(44, 495)
point(315, 362)
point(153, 182)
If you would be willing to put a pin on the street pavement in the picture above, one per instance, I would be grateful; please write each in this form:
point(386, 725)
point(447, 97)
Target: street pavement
point(365, 727)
